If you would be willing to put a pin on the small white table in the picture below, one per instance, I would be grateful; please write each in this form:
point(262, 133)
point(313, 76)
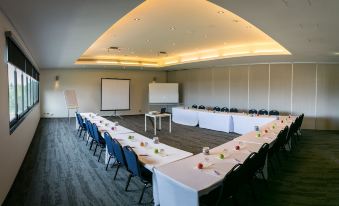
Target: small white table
point(155, 116)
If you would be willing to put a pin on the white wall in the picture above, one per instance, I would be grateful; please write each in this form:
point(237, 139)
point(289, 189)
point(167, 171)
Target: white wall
point(298, 88)
point(87, 84)
point(13, 147)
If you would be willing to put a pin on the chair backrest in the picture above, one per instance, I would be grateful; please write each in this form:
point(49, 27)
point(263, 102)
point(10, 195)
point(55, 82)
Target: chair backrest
point(194, 106)
point(292, 130)
point(118, 152)
point(263, 112)
point(201, 107)
point(253, 111)
point(282, 137)
point(78, 116)
point(231, 182)
point(300, 121)
point(261, 157)
point(249, 167)
point(273, 112)
point(89, 127)
point(133, 164)
point(216, 109)
point(224, 109)
point(96, 134)
point(233, 110)
point(109, 143)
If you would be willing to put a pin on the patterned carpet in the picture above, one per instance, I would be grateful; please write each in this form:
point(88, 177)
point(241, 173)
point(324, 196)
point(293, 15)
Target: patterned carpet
point(60, 170)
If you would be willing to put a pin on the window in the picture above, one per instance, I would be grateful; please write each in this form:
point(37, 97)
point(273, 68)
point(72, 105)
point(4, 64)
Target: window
point(23, 84)
point(11, 92)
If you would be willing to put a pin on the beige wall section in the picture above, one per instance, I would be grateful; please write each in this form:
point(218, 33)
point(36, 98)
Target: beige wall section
point(220, 92)
point(13, 147)
point(258, 86)
point(327, 97)
point(275, 86)
point(280, 87)
point(87, 84)
point(239, 87)
point(304, 92)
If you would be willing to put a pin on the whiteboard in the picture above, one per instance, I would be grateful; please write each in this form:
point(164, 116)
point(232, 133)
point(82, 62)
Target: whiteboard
point(71, 99)
point(115, 94)
point(163, 93)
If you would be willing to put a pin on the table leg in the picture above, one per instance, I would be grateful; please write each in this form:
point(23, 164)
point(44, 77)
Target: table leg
point(160, 123)
point(145, 123)
point(170, 123)
point(155, 126)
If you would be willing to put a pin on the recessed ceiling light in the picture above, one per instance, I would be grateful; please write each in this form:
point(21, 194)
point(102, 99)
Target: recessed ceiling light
point(221, 12)
point(172, 28)
point(147, 40)
point(336, 53)
point(235, 20)
point(137, 19)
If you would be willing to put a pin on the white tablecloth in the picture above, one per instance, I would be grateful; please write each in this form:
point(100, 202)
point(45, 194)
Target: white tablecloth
point(152, 160)
point(181, 183)
point(218, 121)
point(183, 116)
point(243, 123)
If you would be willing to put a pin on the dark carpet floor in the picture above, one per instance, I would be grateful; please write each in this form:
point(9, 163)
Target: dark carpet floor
point(60, 170)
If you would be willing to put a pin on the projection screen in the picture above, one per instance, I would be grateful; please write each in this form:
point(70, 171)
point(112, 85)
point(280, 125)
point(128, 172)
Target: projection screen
point(115, 94)
point(163, 93)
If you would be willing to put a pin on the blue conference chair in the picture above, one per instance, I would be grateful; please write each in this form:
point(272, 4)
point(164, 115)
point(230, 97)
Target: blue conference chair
point(273, 112)
point(224, 109)
point(109, 145)
point(137, 170)
point(89, 132)
point(253, 111)
point(98, 140)
point(216, 109)
point(234, 110)
point(120, 159)
point(263, 112)
point(201, 107)
point(81, 123)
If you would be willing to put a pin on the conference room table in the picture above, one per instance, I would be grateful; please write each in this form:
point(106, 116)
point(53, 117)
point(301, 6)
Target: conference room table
point(182, 183)
point(240, 123)
point(150, 154)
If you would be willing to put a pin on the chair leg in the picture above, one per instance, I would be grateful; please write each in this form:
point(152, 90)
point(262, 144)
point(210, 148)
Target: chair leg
point(128, 180)
point(95, 150)
point(142, 193)
point(109, 159)
point(100, 154)
point(80, 132)
point(91, 144)
point(116, 172)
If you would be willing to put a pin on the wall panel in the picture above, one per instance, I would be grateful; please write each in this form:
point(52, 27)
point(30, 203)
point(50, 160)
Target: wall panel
point(220, 90)
point(280, 87)
point(327, 97)
point(304, 92)
point(258, 86)
point(239, 87)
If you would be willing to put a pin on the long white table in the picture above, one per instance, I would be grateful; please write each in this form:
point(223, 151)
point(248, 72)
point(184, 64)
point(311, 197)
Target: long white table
point(220, 121)
point(146, 154)
point(183, 116)
point(181, 183)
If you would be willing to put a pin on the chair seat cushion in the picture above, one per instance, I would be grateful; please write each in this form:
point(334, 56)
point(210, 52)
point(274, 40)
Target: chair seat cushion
point(146, 174)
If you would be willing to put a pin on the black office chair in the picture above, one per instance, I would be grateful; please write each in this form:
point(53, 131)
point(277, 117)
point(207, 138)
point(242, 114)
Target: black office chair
point(194, 106)
point(201, 107)
point(274, 112)
point(253, 111)
point(261, 159)
point(216, 109)
point(275, 148)
point(228, 189)
point(263, 112)
point(224, 109)
point(234, 110)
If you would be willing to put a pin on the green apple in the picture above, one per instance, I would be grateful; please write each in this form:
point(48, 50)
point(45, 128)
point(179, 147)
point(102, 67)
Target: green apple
point(156, 151)
point(221, 156)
